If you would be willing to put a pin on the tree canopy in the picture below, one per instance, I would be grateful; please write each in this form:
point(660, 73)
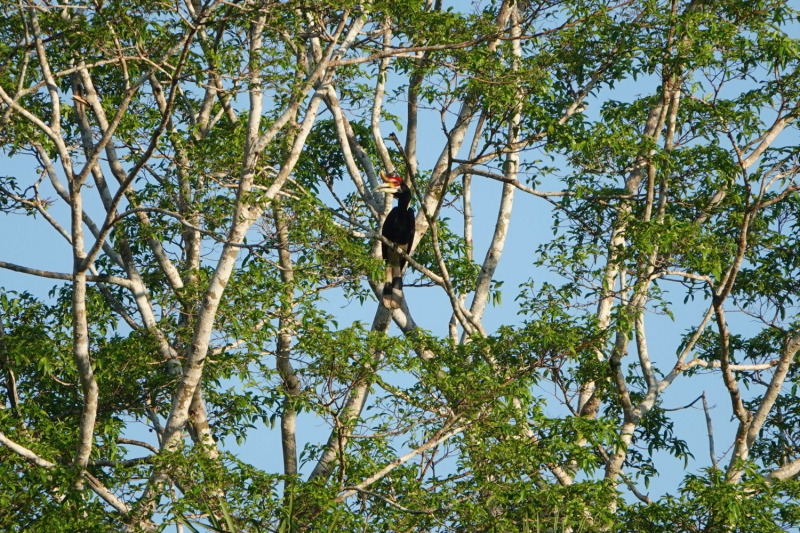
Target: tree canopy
point(208, 168)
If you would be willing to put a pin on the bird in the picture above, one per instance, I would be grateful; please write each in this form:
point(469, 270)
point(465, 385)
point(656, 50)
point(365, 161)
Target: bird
point(398, 228)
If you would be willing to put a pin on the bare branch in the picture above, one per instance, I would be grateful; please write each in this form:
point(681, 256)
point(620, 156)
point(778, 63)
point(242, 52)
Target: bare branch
point(735, 368)
point(114, 280)
point(711, 451)
point(436, 440)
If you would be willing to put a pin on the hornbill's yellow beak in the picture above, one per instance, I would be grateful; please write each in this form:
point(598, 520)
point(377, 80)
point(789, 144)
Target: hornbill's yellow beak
point(387, 188)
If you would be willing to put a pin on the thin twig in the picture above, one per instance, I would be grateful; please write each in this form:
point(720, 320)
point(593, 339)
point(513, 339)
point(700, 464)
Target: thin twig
point(710, 432)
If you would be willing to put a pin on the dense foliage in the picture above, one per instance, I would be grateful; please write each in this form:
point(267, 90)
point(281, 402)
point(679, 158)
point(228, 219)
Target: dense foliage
point(209, 166)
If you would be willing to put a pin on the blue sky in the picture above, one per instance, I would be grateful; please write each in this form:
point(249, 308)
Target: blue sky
point(32, 243)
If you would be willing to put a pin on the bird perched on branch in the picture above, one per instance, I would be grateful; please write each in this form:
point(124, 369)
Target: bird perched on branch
point(399, 229)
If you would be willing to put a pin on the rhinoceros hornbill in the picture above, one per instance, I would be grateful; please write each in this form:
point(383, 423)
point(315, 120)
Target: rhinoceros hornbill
point(399, 229)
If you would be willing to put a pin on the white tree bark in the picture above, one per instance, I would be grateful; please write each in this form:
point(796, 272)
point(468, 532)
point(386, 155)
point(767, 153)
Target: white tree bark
point(291, 383)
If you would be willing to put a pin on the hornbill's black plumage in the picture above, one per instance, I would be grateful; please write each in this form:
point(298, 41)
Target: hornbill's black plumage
point(399, 229)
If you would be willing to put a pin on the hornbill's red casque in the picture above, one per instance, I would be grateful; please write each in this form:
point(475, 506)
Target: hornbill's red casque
point(398, 228)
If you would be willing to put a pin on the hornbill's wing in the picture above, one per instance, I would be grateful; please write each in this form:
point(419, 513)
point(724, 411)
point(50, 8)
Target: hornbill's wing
point(408, 236)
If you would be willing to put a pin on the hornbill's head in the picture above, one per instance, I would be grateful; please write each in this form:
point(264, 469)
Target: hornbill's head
point(392, 184)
